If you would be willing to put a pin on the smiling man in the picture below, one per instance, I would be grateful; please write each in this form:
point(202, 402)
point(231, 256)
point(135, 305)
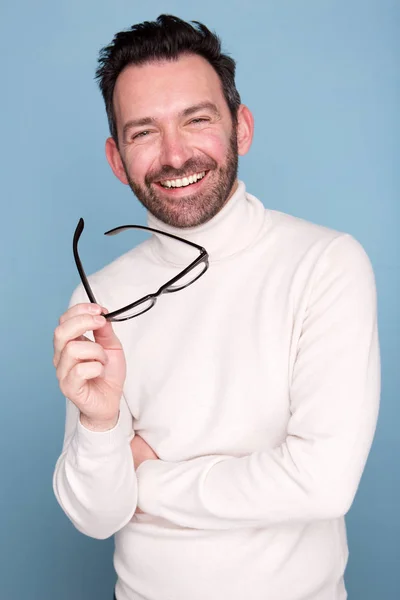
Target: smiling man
point(220, 436)
point(177, 143)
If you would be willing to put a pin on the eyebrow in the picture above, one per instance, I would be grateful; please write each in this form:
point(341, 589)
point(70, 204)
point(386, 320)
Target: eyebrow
point(187, 112)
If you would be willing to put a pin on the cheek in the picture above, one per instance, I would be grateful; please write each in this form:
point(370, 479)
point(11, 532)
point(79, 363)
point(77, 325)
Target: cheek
point(139, 162)
point(216, 146)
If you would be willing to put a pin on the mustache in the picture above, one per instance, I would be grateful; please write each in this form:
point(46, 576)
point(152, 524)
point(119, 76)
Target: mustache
point(191, 166)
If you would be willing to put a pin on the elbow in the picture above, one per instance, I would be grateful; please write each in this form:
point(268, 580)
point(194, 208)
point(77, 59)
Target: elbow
point(97, 511)
point(332, 503)
point(96, 519)
point(101, 528)
point(93, 531)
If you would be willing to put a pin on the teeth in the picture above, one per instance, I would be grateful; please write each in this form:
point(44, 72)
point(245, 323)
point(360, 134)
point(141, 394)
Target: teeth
point(183, 182)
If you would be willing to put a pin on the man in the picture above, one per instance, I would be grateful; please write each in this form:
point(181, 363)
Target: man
point(252, 395)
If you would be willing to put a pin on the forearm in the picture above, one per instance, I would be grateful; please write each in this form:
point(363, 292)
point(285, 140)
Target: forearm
point(94, 480)
point(267, 488)
point(334, 398)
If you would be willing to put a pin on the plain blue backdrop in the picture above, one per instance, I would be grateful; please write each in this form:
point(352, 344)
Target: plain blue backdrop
point(322, 78)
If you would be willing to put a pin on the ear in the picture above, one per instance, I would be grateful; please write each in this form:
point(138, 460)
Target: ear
point(114, 160)
point(245, 129)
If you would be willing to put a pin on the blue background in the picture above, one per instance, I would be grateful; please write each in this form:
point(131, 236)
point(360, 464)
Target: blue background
point(322, 78)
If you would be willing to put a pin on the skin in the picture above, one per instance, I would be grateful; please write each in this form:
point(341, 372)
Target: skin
point(175, 141)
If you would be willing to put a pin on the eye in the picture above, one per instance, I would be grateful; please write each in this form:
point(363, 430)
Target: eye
point(141, 134)
point(200, 120)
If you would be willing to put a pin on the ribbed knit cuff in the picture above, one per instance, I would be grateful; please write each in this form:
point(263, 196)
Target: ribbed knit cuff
point(98, 443)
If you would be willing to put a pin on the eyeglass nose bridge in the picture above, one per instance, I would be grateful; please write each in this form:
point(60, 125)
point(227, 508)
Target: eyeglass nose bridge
point(164, 289)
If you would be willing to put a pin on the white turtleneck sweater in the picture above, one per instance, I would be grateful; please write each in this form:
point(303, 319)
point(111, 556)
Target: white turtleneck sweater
point(258, 388)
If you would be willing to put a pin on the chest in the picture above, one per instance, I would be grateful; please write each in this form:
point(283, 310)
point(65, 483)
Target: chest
point(209, 366)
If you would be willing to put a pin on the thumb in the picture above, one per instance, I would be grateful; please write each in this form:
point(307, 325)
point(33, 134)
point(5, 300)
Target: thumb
point(105, 336)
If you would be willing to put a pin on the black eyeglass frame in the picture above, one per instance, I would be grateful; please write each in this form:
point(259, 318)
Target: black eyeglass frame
point(164, 289)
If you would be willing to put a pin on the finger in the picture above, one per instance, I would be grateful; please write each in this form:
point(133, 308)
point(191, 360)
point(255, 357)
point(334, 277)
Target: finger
point(80, 309)
point(73, 329)
point(74, 385)
point(77, 351)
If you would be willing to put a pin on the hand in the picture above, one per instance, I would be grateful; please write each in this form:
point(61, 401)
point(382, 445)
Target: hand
point(141, 451)
point(90, 374)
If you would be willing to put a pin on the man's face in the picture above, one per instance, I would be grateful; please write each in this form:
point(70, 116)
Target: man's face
point(177, 143)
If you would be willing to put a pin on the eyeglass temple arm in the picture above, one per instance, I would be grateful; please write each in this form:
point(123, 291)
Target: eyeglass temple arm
point(114, 231)
point(117, 230)
point(82, 274)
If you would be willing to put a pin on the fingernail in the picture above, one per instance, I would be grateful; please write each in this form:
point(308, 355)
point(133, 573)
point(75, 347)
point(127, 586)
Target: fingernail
point(99, 320)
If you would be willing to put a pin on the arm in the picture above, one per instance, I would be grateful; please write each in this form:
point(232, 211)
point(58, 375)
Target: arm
point(334, 397)
point(94, 481)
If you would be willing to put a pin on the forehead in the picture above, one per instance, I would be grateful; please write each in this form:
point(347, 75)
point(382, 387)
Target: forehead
point(163, 87)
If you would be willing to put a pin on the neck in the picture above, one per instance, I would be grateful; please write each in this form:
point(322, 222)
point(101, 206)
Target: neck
point(229, 232)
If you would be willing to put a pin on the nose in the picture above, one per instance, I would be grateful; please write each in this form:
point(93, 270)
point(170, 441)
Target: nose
point(175, 149)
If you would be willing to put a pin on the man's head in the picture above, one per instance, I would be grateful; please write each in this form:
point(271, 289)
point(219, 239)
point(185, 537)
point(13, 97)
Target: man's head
point(176, 122)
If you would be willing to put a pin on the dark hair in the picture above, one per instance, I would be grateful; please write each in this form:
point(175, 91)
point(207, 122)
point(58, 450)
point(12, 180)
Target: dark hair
point(165, 39)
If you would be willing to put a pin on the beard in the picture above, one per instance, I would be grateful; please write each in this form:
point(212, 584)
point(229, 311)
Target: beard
point(193, 209)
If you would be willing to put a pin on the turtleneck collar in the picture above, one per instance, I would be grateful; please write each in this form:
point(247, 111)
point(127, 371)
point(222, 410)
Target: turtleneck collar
point(229, 232)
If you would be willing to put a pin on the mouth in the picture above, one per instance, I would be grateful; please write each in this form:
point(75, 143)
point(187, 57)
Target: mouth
point(192, 181)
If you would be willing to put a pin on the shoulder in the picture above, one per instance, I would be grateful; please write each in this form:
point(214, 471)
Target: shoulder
point(297, 230)
point(327, 258)
point(329, 268)
point(319, 244)
point(311, 251)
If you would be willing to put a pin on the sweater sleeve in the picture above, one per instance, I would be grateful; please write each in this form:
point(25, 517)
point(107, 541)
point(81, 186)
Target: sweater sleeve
point(94, 479)
point(334, 399)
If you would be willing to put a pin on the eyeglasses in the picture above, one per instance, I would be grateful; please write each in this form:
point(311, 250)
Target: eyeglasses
point(189, 275)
